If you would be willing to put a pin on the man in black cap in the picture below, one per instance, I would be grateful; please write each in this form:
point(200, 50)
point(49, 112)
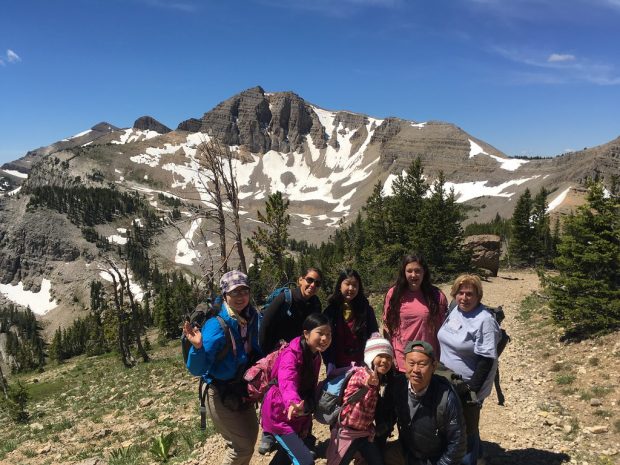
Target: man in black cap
point(427, 411)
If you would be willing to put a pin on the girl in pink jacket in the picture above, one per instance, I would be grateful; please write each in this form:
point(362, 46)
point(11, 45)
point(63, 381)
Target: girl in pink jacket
point(287, 407)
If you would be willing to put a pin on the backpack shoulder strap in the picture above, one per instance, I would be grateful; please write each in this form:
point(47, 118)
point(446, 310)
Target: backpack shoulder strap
point(229, 340)
point(442, 405)
point(452, 305)
point(288, 299)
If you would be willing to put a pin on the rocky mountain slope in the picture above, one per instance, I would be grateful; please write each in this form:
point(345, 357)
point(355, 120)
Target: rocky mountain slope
point(325, 162)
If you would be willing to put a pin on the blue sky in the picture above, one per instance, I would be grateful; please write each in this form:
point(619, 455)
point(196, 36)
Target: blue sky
point(535, 77)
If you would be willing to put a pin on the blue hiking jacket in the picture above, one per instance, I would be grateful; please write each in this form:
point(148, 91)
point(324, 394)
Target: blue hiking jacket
point(202, 362)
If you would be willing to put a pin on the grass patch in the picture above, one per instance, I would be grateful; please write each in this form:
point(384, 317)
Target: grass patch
point(7, 446)
point(531, 305)
point(603, 413)
point(601, 391)
point(125, 456)
point(44, 390)
point(564, 379)
point(568, 391)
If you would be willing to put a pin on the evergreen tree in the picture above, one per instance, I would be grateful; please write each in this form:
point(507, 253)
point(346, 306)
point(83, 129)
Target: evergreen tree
point(585, 296)
point(522, 231)
point(542, 242)
point(406, 205)
point(269, 244)
point(15, 405)
point(440, 234)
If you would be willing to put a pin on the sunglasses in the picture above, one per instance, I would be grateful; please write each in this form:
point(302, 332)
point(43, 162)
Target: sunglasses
point(316, 282)
point(239, 292)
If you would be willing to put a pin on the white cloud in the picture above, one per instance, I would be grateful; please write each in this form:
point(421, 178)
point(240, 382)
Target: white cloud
point(560, 57)
point(12, 57)
point(558, 68)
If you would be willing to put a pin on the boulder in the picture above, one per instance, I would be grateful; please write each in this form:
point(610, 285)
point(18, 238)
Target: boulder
point(485, 251)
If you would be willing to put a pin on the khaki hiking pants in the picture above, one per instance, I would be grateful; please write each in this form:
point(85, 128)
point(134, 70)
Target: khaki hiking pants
point(239, 429)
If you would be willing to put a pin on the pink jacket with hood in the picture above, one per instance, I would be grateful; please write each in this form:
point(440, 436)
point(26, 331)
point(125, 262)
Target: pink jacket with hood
point(288, 369)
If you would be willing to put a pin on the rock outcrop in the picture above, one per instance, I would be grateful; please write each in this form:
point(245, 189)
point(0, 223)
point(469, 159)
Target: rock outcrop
point(148, 123)
point(261, 122)
point(486, 250)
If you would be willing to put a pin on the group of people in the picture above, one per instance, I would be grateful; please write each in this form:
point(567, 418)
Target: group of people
point(395, 367)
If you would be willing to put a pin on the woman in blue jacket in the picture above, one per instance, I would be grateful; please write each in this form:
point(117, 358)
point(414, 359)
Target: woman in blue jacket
point(220, 352)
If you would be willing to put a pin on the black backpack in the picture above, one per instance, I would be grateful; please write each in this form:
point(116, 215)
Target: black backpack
point(197, 319)
point(504, 339)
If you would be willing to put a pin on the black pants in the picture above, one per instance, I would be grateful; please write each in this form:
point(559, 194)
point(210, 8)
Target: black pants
point(367, 449)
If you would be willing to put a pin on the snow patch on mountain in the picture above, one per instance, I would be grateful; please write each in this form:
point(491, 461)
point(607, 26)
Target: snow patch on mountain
point(116, 239)
point(387, 189)
point(39, 302)
point(470, 190)
point(17, 174)
point(79, 134)
point(136, 290)
point(186, 254)
point(134, 135)
point(326, 118)
point(418, 125)
point(555, 203)
point(508, 164)
point(305, 219)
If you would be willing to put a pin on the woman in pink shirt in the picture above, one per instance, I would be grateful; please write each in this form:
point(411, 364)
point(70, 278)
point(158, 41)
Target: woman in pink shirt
point(414, 309)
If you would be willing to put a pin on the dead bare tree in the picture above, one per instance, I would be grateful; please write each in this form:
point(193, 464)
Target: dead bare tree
point(129, 322)
point(211, 179)
point(118, 292)
point(220, 184)
point(232, 194)
point(136, 320)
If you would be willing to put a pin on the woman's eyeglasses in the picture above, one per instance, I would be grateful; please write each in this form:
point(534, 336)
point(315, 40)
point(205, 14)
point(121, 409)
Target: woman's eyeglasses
point(239, 292)
point(316, 282)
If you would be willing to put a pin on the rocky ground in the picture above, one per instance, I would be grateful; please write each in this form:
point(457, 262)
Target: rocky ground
point(562, 401)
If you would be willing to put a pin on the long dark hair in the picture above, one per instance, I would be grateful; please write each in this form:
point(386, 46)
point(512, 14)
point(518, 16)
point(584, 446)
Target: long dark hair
point(307, 380)
point(430, 293)
point(359, 304)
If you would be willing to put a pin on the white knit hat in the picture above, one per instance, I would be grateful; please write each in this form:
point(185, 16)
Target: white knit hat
point(376, 345)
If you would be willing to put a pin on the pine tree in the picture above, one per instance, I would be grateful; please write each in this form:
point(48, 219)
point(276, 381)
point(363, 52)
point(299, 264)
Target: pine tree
point(542, 242)
point(406, 204)
point(585, 296)
point(520, 248)
point(269, 244)
point(440, 231)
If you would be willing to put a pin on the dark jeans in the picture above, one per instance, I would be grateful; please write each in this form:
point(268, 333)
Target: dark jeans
point(367, 449)
point(472, 419)
point(293, 449)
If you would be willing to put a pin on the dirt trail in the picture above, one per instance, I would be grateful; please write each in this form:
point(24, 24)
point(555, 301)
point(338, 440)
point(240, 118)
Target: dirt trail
point(533, 428)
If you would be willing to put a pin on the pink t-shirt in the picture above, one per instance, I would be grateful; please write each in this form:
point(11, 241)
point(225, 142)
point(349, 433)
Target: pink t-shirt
point(414, 323)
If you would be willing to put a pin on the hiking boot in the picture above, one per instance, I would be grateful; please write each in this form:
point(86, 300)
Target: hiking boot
point(267, 444)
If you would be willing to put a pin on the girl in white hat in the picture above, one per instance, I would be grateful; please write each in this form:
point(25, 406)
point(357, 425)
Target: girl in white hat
point(354, 432)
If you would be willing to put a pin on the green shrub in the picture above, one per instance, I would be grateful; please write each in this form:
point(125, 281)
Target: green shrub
point(17, 402)
point(564, 379)
point(161, 447)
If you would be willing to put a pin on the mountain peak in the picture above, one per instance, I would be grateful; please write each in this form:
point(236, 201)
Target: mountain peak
point(148, 123)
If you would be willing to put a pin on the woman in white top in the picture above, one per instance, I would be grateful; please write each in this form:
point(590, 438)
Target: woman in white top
point(468, 340)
